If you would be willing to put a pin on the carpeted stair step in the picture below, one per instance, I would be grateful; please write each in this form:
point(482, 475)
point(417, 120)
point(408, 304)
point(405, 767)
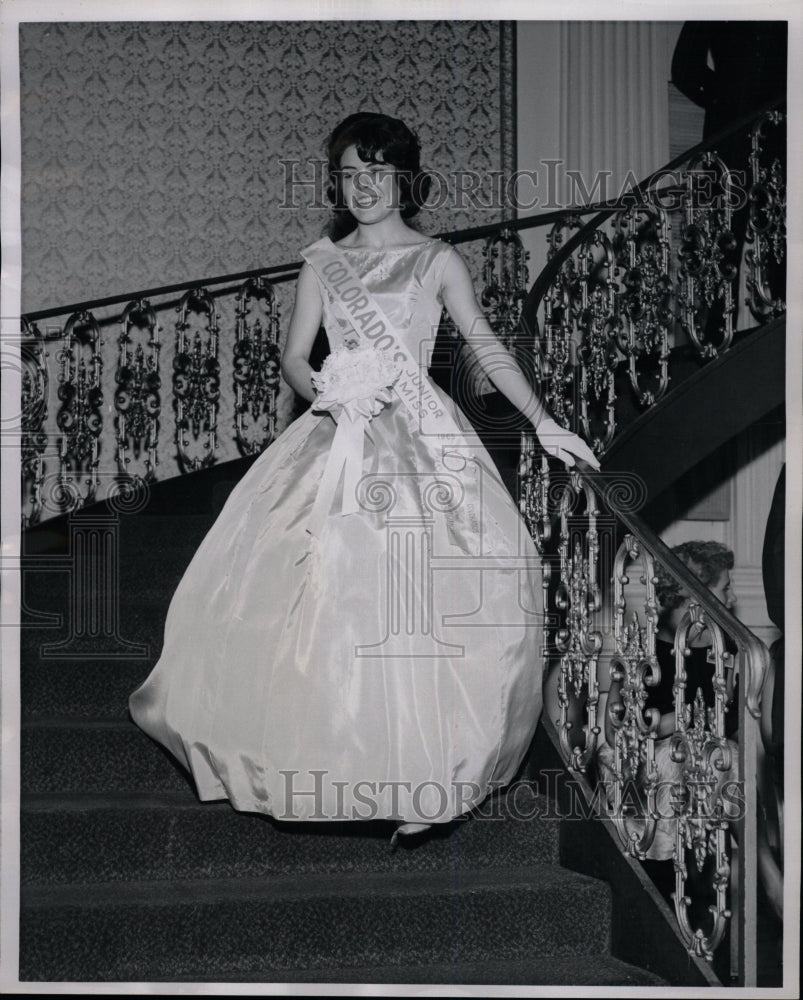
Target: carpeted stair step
point(139, 636)
point(85, 690)
point(135, 532)
point(163, 532)
point(266, 926)
point(94, 839)
point(149, 579)
point(114, 756)
point(140, 621)
point(95, 757)
point(153, 554)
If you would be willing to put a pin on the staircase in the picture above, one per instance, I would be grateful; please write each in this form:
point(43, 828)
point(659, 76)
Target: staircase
point(126, 876)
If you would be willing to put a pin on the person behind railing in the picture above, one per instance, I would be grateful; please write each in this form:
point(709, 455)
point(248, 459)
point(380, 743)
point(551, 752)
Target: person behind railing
point(712, 563)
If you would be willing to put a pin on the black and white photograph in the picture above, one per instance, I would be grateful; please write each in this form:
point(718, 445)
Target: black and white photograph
point(401, 543)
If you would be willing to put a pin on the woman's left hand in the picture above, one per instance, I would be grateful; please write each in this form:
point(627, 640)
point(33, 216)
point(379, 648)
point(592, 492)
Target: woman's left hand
point(562, 444)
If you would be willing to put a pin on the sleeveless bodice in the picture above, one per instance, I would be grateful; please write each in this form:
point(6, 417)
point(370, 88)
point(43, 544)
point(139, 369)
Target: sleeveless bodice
point(406, 283)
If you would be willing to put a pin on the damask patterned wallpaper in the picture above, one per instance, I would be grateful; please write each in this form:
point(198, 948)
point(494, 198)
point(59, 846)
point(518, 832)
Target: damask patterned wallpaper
point(152, 154)
point(152, 151)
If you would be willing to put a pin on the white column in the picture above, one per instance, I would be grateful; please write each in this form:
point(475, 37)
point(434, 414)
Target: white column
point(614, 104)
point(594, 96)
point(759, 464)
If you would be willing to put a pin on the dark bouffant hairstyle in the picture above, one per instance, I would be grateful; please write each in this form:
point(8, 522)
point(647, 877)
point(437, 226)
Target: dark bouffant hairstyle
point(379, 139)
point(707, 560)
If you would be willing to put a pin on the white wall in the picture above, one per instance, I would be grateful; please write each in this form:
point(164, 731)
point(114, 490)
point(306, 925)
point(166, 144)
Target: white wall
point(592, 95)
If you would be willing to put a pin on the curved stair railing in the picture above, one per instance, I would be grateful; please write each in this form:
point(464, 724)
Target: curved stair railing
point(614, 295)
point(601, 612)
point(160, 382)
point(603, 323)
point(77, 455)
point(614, 308)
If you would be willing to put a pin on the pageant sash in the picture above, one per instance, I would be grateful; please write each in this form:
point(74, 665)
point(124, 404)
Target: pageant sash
point(357, 308)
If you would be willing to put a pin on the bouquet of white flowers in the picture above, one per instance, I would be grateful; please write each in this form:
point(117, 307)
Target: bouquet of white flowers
point(358, 379)
point(358, 382)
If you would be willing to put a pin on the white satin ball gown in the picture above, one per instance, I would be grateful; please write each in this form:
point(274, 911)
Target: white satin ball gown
point(389, 666)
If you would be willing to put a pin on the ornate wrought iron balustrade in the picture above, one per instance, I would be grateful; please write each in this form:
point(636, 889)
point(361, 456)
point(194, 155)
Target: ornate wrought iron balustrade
point(217, 348)
point(616, 299)
point(221, 355)
point(682, 786)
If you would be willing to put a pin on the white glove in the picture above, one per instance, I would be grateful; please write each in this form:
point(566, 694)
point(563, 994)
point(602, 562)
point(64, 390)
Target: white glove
point(562, 444)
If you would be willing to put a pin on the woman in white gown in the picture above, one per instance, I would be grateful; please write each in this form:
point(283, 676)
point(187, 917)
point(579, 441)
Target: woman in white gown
point(357, 636)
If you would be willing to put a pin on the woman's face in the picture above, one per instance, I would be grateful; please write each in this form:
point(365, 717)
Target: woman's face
point(722, 589)
point(369, 189)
